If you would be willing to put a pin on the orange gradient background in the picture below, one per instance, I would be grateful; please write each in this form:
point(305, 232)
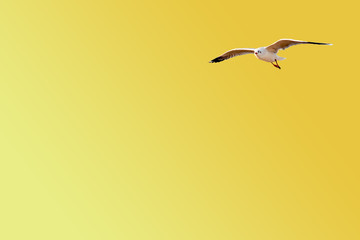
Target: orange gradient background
point(115, 126)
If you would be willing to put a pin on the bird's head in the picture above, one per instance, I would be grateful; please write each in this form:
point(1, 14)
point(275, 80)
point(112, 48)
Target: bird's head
point(260, 51)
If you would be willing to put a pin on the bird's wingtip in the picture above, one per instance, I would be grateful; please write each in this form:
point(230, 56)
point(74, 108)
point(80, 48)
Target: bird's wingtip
point(320, 43)
point(218, 59)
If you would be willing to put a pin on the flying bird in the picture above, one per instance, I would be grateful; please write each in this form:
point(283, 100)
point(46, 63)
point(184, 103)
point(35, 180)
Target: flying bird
point(267, 54)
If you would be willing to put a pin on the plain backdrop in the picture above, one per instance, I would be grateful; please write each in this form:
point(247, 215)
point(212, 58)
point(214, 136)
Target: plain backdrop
point(115, 126)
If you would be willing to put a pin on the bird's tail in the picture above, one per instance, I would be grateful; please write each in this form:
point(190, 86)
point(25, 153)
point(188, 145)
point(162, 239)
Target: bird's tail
point(280, 58)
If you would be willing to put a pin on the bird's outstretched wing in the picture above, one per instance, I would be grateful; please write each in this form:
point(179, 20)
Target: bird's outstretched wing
point(233, 53)
point(285, 43)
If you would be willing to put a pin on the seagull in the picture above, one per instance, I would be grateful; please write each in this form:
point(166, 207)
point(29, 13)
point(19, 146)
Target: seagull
point(267, 54)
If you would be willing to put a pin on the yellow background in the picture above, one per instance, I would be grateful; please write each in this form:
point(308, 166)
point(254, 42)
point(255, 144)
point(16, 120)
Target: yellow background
point(115, 126)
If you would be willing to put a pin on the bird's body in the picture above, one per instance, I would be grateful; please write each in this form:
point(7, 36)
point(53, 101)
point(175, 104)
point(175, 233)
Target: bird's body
point(267, 54)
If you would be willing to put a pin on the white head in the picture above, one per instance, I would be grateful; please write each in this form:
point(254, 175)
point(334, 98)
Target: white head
point(260, 51)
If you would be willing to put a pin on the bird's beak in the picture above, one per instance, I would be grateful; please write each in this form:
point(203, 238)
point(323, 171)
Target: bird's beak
point(255, 53)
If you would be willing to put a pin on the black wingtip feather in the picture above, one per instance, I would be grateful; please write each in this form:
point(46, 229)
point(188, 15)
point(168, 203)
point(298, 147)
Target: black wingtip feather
point(318, 43)
point(218, 59)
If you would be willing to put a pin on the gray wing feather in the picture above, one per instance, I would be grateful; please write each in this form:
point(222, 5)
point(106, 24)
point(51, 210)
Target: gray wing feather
point(286, 43)
point(233, 53)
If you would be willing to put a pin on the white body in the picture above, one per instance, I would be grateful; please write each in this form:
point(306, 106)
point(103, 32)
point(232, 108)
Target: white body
point(265, 55)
